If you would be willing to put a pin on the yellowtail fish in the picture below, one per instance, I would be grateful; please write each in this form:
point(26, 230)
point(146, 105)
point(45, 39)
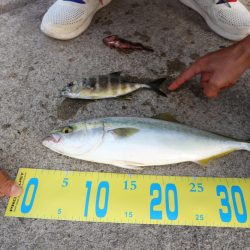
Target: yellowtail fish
point(132, 143)
point(108, 86)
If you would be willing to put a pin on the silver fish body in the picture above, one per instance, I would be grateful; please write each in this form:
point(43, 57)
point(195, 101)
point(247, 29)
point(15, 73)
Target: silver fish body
point(105, 86)
point(137, 142)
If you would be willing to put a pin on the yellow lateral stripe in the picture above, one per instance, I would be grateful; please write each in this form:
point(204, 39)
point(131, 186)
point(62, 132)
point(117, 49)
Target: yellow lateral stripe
point(136, 199)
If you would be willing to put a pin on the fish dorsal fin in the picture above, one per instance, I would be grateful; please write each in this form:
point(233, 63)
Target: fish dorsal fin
point(165, 117)
point(204, 162)
point(115, 74)
point(124, 132)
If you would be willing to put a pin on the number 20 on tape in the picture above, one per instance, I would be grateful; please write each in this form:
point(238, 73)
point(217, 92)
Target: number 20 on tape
point(123, 198)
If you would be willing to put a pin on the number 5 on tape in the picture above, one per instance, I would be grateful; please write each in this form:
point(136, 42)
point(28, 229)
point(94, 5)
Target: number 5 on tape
point(140, 199)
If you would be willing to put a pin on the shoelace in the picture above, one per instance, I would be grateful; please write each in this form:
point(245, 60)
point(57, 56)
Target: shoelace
point(83, 2)
point(226, 2)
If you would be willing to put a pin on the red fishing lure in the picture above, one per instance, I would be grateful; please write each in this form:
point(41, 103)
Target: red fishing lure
point(123, 45)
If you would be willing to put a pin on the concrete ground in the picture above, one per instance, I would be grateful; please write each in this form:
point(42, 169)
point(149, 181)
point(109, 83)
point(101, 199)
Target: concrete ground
point(34, 68)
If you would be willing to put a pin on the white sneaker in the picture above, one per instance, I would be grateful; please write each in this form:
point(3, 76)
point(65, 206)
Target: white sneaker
point(67, 19)
point(228, 18)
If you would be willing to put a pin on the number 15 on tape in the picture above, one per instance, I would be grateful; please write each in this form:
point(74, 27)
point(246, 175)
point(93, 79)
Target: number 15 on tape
point(123, 198)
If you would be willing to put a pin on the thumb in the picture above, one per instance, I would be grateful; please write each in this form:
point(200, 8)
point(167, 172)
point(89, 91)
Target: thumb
point(8, 187)
point(210, 89)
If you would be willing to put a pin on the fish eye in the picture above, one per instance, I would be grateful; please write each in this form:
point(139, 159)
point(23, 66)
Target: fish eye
point(67, 130)
point(71, 84)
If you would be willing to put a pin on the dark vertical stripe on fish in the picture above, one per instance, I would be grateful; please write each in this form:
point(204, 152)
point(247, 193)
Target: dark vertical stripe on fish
point(84, 82)
point(115, 79)
point(92, 82)
point(103, 82)
point(115, 85)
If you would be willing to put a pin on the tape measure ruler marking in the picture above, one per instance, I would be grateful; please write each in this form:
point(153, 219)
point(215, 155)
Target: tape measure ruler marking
point(127, 198)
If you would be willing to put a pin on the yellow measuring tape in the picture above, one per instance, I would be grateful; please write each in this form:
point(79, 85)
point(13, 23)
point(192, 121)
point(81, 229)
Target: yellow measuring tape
point(123, 198)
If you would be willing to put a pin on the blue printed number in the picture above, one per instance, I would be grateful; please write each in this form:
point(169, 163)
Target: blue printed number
point(155, 188)
point(65, 182)
point(226, 216)
point(196, 187)
point(88, 186)
point(129, 214)
point(171, 214)
point(199, 216)
point(241, 217)
point(130, 185)
point(100, 211)
point(26, 208)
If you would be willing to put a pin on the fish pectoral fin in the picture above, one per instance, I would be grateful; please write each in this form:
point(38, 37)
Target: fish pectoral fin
point(165, 117)
point(127, 97)
point(124, 132)
point(204, 162)
point(128, 165)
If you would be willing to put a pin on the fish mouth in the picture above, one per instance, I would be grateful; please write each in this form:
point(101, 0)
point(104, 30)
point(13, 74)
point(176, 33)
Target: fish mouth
point(64, 93)
point(53, 138)
point(67, 89)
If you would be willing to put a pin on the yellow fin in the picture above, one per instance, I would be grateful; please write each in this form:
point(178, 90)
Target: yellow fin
point(124, 132)
point(165, 117)
point(204, 162)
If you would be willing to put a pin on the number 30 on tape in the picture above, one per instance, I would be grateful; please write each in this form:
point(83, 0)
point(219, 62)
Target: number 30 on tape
point(123, 198)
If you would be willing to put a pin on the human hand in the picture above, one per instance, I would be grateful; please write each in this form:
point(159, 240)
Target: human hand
point(218, 70)
point(8, 187)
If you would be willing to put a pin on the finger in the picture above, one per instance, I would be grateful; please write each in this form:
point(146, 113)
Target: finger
point(205, 77)
point(229, 85)
point(8, 187)
point(185, 76)
point(204, 85)
point(210, 90)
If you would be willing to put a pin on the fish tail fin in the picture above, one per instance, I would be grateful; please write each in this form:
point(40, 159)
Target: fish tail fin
point(248, 146)
point(244, 145)
point(158, 86)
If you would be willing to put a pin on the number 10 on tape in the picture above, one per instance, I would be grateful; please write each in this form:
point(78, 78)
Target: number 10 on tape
point(123, 198)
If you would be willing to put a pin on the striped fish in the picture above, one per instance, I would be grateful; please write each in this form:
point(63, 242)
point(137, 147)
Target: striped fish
point(108, 86)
